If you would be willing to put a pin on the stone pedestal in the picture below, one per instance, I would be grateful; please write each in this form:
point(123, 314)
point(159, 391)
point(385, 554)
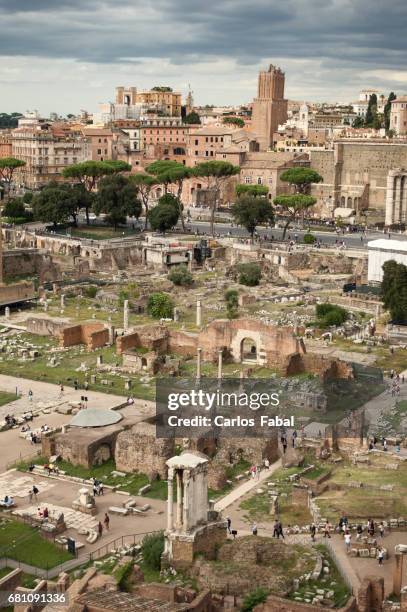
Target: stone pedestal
point(85, 502)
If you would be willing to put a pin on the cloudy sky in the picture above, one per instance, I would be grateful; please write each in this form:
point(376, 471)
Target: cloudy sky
point(65, 55)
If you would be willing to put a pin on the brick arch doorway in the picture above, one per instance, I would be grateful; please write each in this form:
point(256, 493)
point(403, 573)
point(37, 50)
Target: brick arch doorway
point(248, 350)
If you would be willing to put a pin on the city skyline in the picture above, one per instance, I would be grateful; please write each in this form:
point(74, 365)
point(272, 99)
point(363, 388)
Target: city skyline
point(72, 56)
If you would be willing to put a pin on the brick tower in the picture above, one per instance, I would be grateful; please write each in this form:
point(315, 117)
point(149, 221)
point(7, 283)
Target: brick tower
point(270, 107)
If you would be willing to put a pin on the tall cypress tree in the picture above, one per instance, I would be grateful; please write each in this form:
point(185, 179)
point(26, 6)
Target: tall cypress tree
point(371, 111)
point(387, 109)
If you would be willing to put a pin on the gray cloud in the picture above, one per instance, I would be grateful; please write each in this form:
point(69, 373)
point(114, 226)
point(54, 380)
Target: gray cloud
point(346, 37)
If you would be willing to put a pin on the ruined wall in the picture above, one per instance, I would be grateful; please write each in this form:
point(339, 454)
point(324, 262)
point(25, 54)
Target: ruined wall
point(370, 595)
point(182, 343)
point(44, 327)
point(138, 450)
point(79, 448)
point(327, 368)
point(17, 292)
point(254, 450)
point(93, 335)
point(207, 541)
point(152, 337)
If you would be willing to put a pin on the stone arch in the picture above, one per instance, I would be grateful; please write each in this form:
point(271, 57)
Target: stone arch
point(349, 202)
point(102, 454)
point(343, 202)
point(248, 350)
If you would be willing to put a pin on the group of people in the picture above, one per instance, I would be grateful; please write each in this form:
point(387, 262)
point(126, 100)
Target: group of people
point(97, 487)
point(106, 523)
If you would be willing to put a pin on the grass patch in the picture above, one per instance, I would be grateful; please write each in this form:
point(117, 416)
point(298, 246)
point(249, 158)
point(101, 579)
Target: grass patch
point(130, 483)
point(24, 543)
point(101, 232)
point(6, 398)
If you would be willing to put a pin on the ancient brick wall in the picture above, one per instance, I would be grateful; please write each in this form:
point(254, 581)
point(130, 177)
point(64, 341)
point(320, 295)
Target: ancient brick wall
point(182, 343)
point(16, 292)
point(254, 450)
point(370, 595)
point(152, 337)
point(93, 335)
point(138, 450)
point(327, 368)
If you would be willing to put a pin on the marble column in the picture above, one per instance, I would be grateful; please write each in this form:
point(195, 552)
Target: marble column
point(198, 313)
point(220, 357)
point(170, 500)
point(126, 315)
point(62, 300)
point(390, 197)
point(198, 363)
point(398, 573)
point(178, 519)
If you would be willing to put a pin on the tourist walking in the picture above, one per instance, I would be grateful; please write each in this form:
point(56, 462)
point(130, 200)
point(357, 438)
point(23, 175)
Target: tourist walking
point(106, 521)
point(35, 492)
point(229, 524)
point(313, 531)
point(280, 529)
point(267, 464)
point(380, 556)
point(381, 529)
point(348, 538)
point(276, 533)
point(254, 529)
point(327, 529)
point(30, 395)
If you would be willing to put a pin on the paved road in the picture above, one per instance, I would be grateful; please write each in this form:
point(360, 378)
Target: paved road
point(246, 487)
point(355, 240)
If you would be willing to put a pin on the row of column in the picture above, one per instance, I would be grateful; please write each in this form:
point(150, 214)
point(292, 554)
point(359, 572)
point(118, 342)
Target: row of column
point(199, 363)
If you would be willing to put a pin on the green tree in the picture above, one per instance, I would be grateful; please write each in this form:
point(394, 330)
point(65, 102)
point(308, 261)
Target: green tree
point(88, 174)
point(163, 217)
point(144, 183)
point(117, 198)
point(309, 238)
point(192, 118)
point(250, 211)
point(294, 206)
point(249, 274)
point(14, 209)
point(301, 179)
point(253, 190)
point(394, 291)
point(234, 121)
point(169, 172)
point(181, 276)
point(216, 173)
point(387, 110)
point(8, 165)
point(358, 122)
point(232, 303)
point(371, 111)
point(160, 306)
point(152, 547)
point(117, 165)
point(329, 315)
point(55, 203)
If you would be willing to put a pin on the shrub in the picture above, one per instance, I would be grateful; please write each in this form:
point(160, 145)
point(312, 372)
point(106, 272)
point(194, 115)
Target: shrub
point(249, 274)
point(309, 238)
point(122, 573)
point(90, 292)
point(330, 314)
point(232, 303)
point(181, 276)
point(152, 547)
point(253, 599)
point(160, 306)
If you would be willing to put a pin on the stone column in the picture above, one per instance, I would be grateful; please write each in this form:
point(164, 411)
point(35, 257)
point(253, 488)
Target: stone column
point(170, 500)
point(126, 315)
point(178, 523)
point(220, 357)
point(398, 573)
point(7, 312)
point(99, 360)
point(397, 200)
point(185, 500)
point(111, 335)
point(390, 212)
point(198, 313)
point(198, 363)
point(176, 314)
point(62, 300)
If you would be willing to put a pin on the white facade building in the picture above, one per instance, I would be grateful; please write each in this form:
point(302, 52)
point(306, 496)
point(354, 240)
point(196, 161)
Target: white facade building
point(382, 250)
